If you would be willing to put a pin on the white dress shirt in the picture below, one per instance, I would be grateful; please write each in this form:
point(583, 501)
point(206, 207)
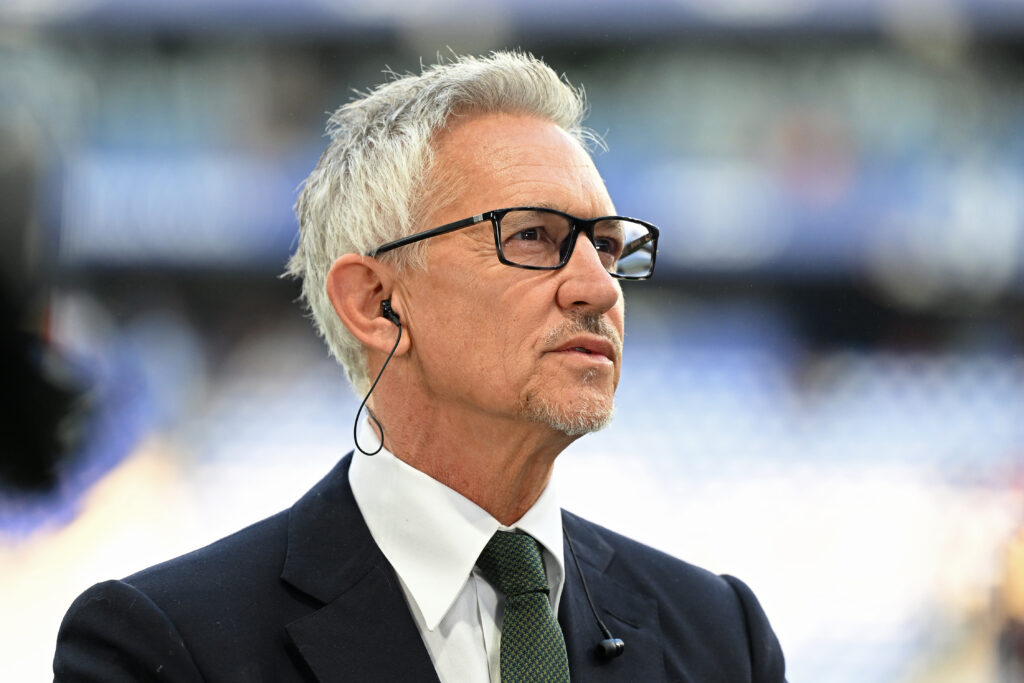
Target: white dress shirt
point(432, 536)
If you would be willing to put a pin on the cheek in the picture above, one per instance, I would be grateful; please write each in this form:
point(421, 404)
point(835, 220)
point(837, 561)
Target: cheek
point(475, 337)
point(513, 340)
point(616, 316)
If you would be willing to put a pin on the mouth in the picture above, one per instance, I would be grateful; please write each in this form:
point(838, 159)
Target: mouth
point(592, 347)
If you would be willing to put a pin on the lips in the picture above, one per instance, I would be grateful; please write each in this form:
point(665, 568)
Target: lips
point(590, 345)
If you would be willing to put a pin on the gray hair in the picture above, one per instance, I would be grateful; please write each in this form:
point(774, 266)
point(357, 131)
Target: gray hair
point(371, 183)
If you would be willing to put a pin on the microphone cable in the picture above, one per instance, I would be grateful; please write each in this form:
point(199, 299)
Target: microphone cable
point(611, 647)
point(385, 307)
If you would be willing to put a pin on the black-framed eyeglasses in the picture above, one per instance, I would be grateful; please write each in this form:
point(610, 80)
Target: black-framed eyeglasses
point(543, 239)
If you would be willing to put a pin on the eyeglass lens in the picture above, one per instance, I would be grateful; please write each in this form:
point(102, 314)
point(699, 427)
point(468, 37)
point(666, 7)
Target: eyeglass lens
point(540, 238)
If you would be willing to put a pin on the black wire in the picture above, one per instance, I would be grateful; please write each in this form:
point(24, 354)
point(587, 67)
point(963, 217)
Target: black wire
point(373, 418)
point(586, 591)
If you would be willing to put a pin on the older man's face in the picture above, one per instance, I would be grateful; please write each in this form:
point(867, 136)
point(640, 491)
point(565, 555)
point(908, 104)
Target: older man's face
point(500, 342)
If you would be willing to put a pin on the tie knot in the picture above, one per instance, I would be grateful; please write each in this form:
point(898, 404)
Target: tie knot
point(512, 563)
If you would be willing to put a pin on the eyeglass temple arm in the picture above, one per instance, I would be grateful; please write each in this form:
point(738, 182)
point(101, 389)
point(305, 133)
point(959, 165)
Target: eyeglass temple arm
point(636, 244)
point(440, 230)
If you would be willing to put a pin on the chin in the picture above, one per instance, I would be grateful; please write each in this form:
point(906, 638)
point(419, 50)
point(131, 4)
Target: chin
point(581, 415)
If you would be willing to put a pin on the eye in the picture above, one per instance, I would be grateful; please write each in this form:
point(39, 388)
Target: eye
point(608, 245)
point(527, 235)
point(538, 234)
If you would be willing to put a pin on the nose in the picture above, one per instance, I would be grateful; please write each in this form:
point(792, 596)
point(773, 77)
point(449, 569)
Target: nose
point(585, 283)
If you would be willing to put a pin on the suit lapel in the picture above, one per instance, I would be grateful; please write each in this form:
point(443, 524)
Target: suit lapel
point(363, 628)
point(631, 616)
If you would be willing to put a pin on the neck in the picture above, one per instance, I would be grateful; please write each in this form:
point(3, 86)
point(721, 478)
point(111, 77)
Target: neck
point(502, 465)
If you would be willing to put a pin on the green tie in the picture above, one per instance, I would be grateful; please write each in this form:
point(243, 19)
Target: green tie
point(532, 647)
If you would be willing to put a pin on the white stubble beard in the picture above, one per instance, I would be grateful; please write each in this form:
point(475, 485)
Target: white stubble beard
point(595, 413)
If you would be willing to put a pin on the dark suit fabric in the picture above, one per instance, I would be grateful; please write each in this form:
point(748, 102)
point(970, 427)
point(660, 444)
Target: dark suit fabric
point(307, 595)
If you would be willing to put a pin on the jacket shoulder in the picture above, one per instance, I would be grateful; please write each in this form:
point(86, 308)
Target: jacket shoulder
point(628, 558)
point(161, 622)
point(701, 614)
point(237, 560)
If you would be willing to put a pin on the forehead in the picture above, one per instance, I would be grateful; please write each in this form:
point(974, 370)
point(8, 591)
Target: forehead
point(496, 160)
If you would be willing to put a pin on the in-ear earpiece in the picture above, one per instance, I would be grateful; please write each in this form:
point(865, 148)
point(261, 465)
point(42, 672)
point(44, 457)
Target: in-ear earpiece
point(385, 309)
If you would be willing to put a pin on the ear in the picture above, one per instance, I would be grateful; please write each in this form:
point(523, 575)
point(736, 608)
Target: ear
point(356, 285)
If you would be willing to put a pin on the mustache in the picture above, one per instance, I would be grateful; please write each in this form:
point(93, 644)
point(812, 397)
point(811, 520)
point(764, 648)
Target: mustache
point(584, 323)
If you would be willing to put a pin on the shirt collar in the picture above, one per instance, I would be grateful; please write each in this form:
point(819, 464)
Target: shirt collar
point(432, 535)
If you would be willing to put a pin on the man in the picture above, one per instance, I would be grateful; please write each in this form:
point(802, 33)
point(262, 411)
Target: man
point(447, 234)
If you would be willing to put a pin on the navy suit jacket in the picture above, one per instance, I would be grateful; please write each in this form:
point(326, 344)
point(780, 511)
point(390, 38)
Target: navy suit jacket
point(307, 595)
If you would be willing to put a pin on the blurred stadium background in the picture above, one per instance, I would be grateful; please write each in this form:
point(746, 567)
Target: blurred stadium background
point(824, 385)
